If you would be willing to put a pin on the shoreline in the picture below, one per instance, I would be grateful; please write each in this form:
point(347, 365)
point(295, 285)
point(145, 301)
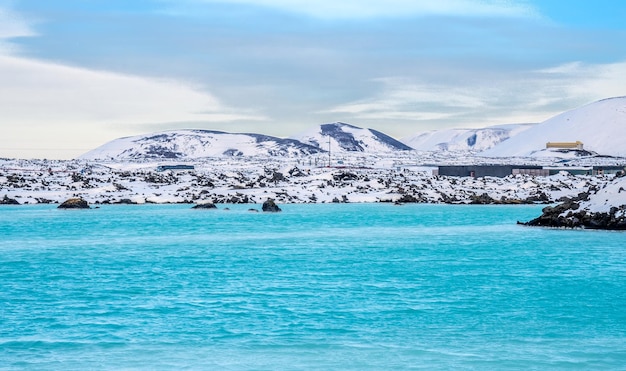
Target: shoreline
point(289, 182)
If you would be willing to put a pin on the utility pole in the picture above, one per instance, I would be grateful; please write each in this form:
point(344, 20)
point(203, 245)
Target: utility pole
point(329, 150)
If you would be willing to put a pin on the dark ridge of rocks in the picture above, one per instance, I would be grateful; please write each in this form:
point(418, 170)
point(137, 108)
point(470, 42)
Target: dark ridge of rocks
point(44, 201)
point(125, 201)
point(552, 216)
point(205, 206)
point(540, 198)
point(270, 206)
point(8, 201)
point(74, 203)
point(276, 177)
point(568, 215)
point(344, 200)
point(295, 172)
point(120, 187)
point(408, 199)
point(555, 217)
point(483, 199)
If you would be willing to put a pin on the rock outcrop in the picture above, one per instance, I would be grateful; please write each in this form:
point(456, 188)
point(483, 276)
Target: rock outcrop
point(74, 203)
point(205, 206)
point(569, 214)
point(8, 201)
point(126, 201)
point(270, 206)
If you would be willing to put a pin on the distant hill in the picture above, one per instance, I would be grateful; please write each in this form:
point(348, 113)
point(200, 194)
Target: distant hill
point(601, 126)
point(189, 144)
point(349, 138)
point(464, 139)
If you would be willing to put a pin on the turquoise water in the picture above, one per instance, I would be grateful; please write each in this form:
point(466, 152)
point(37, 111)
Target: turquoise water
point(350, 286)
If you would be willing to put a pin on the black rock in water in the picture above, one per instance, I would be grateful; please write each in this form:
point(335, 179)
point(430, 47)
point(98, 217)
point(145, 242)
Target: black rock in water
point(270, 206)
point(208, 205)
point(74, 203)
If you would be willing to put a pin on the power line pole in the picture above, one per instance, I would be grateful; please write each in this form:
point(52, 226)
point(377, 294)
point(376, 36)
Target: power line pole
point(328, 150)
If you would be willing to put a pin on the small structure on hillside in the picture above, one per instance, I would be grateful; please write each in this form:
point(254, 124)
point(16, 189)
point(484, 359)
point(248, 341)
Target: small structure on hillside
point(565, 145)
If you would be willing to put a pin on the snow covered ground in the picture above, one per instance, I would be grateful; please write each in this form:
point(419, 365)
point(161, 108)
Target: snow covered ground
point(610, 195)
point(406, 176)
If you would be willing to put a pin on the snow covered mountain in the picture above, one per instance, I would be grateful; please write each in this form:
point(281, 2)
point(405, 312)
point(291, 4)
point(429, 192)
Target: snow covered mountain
point(464, 139)
point(600, 126)
point(190, 144)
point(348, 138)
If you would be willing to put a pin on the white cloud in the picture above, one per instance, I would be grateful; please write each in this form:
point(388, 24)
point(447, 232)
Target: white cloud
point(12, 25)
point(44, 104)
point(411, 101)
point(345, 9)
point(533, 96)
point(52, 108)
point(589, 80)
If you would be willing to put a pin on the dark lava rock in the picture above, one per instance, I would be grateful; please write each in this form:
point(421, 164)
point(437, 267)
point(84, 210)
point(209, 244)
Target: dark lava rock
point(8, 201)
point(552, 216)
point(74, 203)
point(126, 201)
point(276, 177)
point(44, 201)
point(208, 205)
point(344, 200)
point(296, 172)
point(270, 206)
point(344, 177)
point(406, 199)
point(567, 215)
point(540, 197)
point(483, 199)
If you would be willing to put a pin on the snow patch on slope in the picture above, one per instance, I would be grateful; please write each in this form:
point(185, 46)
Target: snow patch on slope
point(190, 144)
point(349, 138)
point(601, 126)
point(464, 139)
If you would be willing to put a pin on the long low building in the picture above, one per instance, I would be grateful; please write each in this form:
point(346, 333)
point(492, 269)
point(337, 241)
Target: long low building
point(478, 171)
point(500, 171)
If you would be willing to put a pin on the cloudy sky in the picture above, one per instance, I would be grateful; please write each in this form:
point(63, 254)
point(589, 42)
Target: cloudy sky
point(75, 74)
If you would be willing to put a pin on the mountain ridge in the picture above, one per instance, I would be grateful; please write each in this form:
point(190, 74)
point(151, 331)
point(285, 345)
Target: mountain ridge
point(198, 143)
point(460, 139)
point(349, 138)
point(600, 125)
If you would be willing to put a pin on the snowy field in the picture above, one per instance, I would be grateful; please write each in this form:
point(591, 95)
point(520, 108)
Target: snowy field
point(404, 177)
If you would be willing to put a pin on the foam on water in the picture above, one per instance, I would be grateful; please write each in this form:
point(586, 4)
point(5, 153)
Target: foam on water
point(355, 286)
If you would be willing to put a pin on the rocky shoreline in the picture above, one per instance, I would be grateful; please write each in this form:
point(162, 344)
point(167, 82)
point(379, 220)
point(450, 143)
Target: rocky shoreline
point(603, 209)
point(248, 183)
